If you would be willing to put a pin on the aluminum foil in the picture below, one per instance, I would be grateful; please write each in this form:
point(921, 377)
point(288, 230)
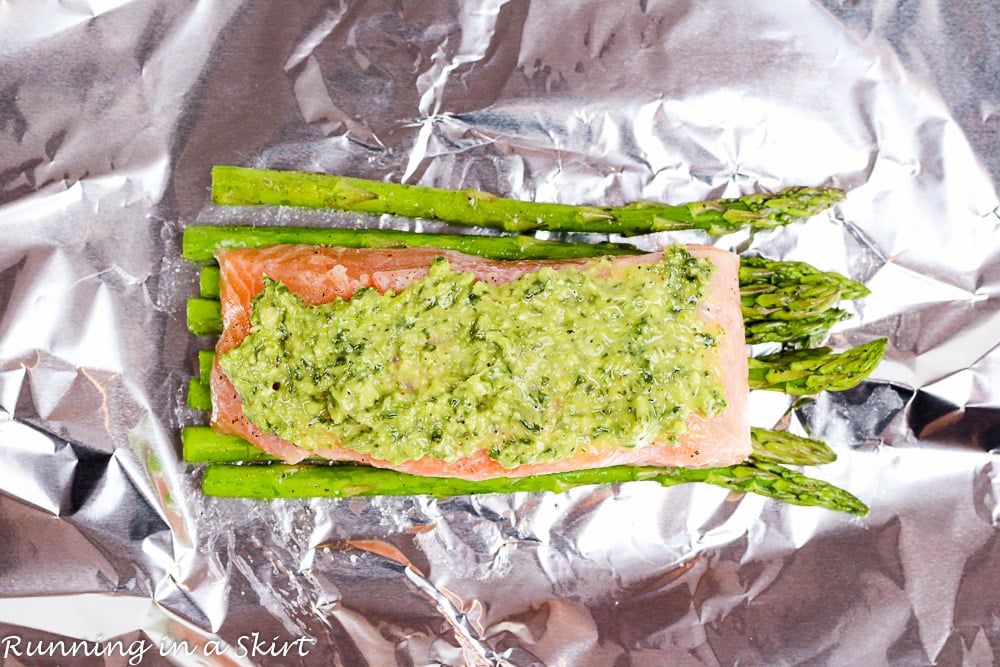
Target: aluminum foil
point(112, 113)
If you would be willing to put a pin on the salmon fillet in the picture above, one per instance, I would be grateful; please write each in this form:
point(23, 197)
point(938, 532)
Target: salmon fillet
point(319, 274)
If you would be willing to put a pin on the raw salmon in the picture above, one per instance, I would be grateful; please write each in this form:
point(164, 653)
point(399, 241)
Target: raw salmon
point(321, 274)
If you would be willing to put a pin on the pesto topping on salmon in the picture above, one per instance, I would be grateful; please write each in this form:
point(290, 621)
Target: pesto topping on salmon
point(530, 370)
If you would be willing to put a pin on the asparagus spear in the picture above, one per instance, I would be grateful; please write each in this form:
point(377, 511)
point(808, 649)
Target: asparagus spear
point(243, 186)
point(206, 359)
point(204, 317)
point(791, 301)
point(199, 395)
point(810, 371)
point(782, 329)
point(782, 447)
point(762, 474)
point(208, 281)
point(200, 243)
point(345, 481)
point(199, 390)
point(772, 289)
point(774, 293)
point(203, 445)
point(773, 276)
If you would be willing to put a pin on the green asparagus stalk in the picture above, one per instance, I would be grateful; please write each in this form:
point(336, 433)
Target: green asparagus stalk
point(768, 298)
point(810, 371)
point(782, 447)
point(346, 481)
point(203, 445)
point(794, 291)
point(791, 302)
point(204, 317)
point(199, 390)
point(763, 474)
point(199, 395)
point(200, 243)
point(774, 276)
point(786, 485)
point(803, 332)
point(245, 187)
point(209, 281)
point(206, 359)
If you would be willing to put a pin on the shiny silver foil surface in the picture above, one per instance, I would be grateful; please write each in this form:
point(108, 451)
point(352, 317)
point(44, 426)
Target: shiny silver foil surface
point(112, 113)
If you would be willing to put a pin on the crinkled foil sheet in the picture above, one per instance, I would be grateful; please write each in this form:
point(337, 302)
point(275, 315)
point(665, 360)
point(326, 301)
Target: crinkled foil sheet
point(112, 113)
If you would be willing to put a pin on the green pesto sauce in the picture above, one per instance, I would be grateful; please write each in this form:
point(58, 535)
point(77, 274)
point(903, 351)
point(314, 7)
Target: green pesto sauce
point(531, 369)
